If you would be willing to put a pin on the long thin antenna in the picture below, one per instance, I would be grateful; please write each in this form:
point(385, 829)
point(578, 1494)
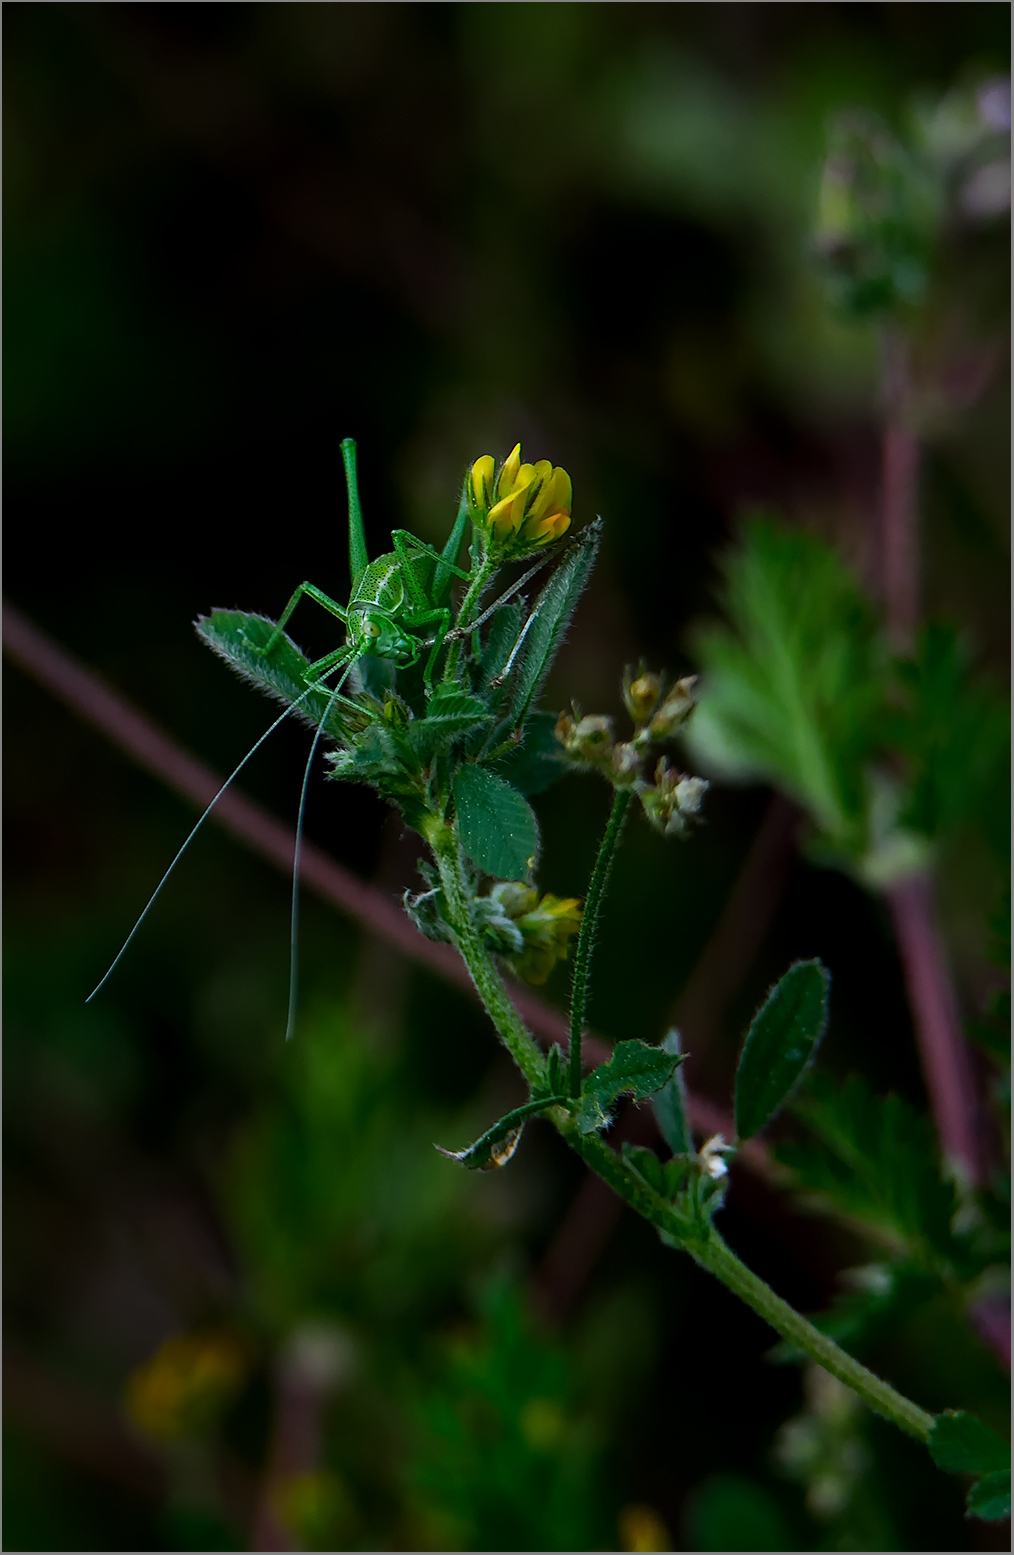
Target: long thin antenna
point(290, 1021)
point(154, 895)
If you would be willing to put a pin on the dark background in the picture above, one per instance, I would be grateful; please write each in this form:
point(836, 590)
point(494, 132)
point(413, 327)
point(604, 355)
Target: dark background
point(234, 235)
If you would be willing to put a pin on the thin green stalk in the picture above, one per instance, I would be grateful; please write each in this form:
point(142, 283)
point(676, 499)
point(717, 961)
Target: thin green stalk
point(785, 1320)
point(474, 593)
point(513, 1032)
point(581, 985)
point(703, 1244)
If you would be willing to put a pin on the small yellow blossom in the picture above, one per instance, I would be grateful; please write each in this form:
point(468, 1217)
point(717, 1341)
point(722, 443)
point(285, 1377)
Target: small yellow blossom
point(641, 1528)
point(185, 1384)
point(526, 507)
point(545, 927)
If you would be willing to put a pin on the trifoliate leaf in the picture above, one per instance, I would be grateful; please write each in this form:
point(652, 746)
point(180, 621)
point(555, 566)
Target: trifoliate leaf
point(633, 1066)
point(780, 1043)
point(963, 1444)
point(538, 761)
point(499, 1143)
point(989, 1497)
point(449, 715)
point(670, 1104)
point(793, 687)
point(497, 825)
point(237, 637)
point(552, 612)
point(877, 1161)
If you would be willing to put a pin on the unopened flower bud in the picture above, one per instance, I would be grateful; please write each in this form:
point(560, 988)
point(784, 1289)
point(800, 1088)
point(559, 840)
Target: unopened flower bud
point(641, 696)
point(674, 710)
point(674, 797)
point(589, 740)
point(710, 1156)
point(624, 765)
point(543, 927)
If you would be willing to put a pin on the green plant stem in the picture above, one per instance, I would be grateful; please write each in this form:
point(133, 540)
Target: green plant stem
point(581, 985)
point(474, 593)
point(701, 1240)
point(513, 1032)
point(785, 1320)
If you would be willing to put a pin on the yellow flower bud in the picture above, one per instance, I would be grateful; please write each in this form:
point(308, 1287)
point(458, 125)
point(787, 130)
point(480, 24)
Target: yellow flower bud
point(481, 482)
point(641, 696)
point(528, 505)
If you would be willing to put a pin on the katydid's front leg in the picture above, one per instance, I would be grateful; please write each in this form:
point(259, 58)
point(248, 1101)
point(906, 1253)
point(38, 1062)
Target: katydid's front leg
point(312, 592)
point(331, 661)
point(415, 620)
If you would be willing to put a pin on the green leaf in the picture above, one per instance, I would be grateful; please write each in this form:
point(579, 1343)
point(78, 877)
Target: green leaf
point(236, 637)
point(499, 1144)
point(670, 1104)
point(793, 686)
point(989, 1497)
point(780, 1043)
point(731, 1512)
point(963, 1444)
point(538, 761)
point(450, 714)
point(876, 1161)
point(497, 825)
point(504, 628)
point(552, 612)
point(632, 1066)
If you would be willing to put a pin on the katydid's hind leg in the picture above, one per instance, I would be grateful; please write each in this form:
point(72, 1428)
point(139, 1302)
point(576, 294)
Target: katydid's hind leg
point(404, 544)
point(311, 591)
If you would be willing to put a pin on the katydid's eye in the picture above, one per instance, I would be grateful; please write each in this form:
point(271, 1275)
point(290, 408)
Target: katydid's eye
point(371, 629)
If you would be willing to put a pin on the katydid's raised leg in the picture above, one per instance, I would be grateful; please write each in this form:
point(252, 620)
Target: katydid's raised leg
point(359, 558)
point(312, 592)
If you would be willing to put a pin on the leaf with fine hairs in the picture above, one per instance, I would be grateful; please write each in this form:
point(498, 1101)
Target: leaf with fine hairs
point(632, 1067)
point(236, 637)
point(780, 1043)
point(552, 614)
point(497, 825)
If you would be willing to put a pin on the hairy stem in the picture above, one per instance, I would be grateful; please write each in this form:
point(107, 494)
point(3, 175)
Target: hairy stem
point(513, 1032)
point(474, 593)
point(581, 985)
point(785, 1320)
point(701, 1240)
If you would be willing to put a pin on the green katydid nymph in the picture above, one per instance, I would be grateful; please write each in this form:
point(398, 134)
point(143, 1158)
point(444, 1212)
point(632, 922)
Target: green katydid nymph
point(400, 612)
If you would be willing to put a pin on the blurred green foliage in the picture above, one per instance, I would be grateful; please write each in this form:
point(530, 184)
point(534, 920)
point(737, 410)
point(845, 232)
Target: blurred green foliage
point(234, 234)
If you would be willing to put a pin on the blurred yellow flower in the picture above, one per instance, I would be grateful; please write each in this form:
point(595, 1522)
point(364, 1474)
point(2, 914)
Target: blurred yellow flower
point(641, 1528)
point(185, 1384)
point(527, 506)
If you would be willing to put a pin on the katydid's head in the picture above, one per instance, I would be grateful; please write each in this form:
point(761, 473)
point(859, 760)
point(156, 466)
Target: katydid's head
point(382, 637)
point(521, 508)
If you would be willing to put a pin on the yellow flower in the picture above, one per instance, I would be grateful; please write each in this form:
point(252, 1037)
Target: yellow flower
point(527, 506)
point(546, 929)
point(184, 1385)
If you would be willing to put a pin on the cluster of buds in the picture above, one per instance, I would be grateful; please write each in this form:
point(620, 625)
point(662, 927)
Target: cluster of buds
point(523, 508)
point(530, 932)
point(672, 798)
